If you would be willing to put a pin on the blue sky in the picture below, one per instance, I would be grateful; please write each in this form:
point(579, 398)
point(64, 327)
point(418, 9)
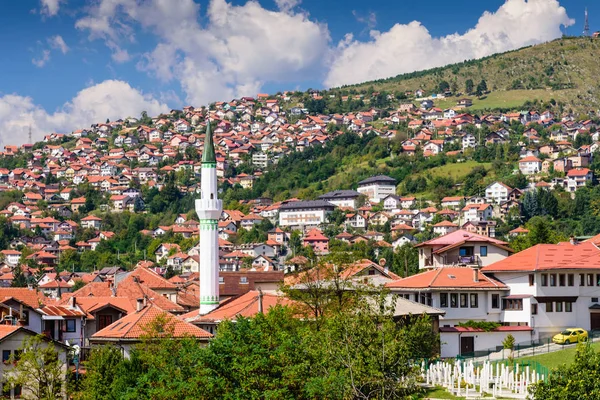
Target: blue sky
point(67, 62)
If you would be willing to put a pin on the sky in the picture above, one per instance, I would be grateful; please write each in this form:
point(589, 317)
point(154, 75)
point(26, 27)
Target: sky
point(69, 63)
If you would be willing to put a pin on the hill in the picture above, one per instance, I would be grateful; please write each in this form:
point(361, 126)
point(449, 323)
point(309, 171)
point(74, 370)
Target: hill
point(564, 70)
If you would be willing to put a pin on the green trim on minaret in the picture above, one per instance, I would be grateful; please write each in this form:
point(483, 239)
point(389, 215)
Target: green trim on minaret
point(208, 154)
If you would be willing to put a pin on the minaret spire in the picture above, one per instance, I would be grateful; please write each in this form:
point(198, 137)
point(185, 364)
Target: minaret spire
point(208, 208)
point(208, 155)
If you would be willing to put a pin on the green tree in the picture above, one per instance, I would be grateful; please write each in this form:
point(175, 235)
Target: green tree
point(579, 380)
point(39, 370)
point(469, 86)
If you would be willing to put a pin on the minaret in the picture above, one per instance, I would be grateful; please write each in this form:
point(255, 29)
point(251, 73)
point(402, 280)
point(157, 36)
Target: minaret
point(208, 208)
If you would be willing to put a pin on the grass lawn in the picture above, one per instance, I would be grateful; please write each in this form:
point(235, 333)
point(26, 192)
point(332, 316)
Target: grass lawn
point(553, 360)
point(504, 99)
point(456, 170)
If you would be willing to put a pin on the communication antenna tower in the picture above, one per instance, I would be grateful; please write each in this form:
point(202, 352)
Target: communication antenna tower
point(586, 25)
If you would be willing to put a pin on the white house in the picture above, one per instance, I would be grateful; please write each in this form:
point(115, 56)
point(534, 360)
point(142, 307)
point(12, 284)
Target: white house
point(552, 287)
point(376, 188)
point(465, 294)
point(461, 248)
point(477, 212)
point(497, 193)
point(530, 165)
point(444, 228)
point(577, 178)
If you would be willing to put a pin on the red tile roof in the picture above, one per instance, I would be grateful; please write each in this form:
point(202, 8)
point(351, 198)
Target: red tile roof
point(135, 325)
point(544, 257)
point(245, 305)
point(447, 278)
point(460, 236)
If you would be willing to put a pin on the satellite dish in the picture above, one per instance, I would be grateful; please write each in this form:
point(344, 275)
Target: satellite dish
point(76, 349)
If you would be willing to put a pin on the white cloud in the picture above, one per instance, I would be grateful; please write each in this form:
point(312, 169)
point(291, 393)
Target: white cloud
point(110, 99)
point(235, 53)
point(410, 47)
point(287, 5)
point(42, 60)
point(50, 7)
point(57, 42)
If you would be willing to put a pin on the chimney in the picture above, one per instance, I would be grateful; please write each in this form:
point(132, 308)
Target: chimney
point(73, 302)
point(475, 274)
point(260, 301)
point(140, 304)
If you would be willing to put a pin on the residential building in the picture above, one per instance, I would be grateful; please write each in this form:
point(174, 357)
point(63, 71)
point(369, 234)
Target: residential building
point(342, 198)
point(497, 193)
point(461, 248)
point(530, 165)
point(376, 188)
point(578, 178)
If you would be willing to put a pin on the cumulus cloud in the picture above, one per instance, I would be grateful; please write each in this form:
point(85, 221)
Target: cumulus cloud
point(410, 47)
point(50, 7)
point(234, 53)
point(58, 43)
point(110, 99)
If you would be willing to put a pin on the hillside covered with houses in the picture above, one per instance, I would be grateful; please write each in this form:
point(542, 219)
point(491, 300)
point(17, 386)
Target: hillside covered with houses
point(401, 186)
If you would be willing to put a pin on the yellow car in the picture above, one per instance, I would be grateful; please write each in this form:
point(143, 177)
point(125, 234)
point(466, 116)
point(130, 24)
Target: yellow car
point(571, 335)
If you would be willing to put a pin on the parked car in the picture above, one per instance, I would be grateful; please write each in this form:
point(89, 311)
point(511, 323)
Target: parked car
point(571, 335)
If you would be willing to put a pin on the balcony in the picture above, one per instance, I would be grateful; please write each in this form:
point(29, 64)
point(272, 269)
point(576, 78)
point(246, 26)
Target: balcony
point(452, 261)
point(449, 260)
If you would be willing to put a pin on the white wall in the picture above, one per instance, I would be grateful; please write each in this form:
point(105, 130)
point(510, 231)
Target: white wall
point(483, 340)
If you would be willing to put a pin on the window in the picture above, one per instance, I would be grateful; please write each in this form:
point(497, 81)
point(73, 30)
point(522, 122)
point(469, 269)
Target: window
point(597, 279)
point(552, 279)
point(559, 306)
point(463, 300)
point(5, 356)
point(244, 279)
point(474, 300)
point(590, 279)
point(534, 309)
point(483, 251)
point(444, 300)
point(104, 321)
point(594, 299)
point(549, 306)
point(568, 306)
point(581, 279)
point(544, 279)
point(561, 280)
point(454, 300)
point(570, 280)
point(25, 318)
point(531, 279)
point(495, 301)
point(70, 325)
point(221, 279)
point(512, 304)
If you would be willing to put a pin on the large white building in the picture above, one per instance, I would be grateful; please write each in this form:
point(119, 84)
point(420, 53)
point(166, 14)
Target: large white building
point(376, 188)
point(209, 208)
point(300, 214)
point(342, 198)
point(532, 295)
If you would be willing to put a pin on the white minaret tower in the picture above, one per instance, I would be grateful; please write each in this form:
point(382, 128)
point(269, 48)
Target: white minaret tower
point(208, 208)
